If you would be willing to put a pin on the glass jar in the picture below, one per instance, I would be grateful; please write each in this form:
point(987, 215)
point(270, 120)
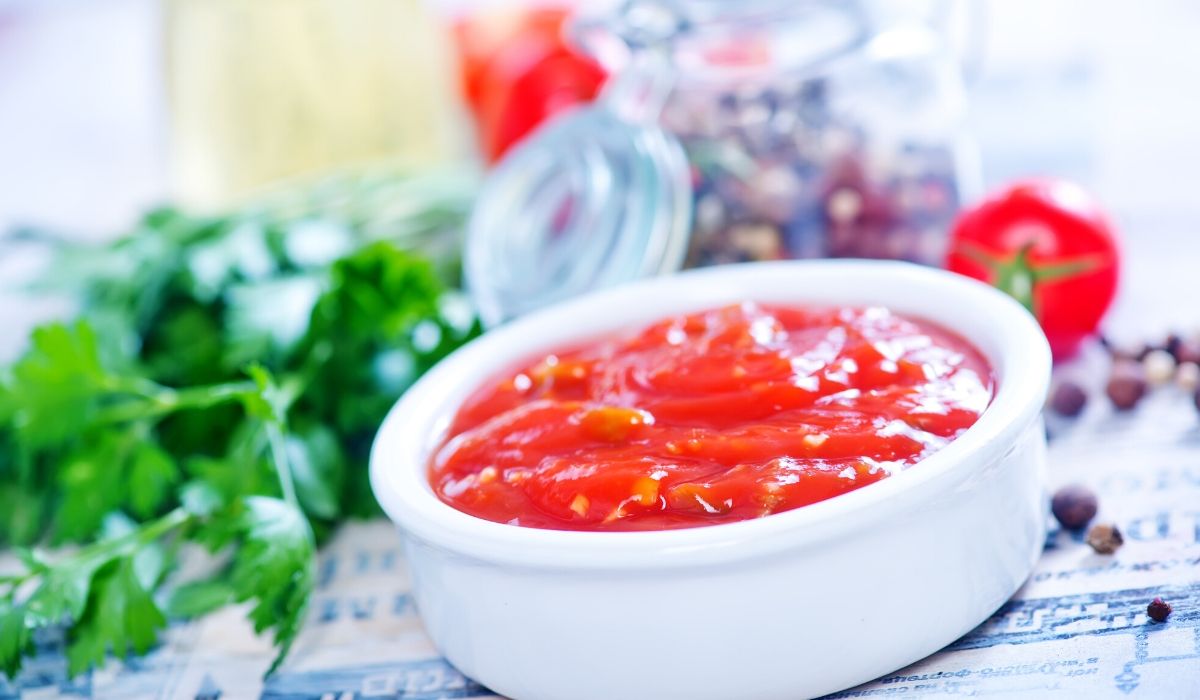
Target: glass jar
point(733, 132)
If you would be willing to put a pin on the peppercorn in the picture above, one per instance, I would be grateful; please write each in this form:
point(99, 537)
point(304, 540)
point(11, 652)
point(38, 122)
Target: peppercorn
point(1187, 376)
point(1159, 366)
point(1068, 399)
point(1158, 610)
point(1119, 351)
point(1105, 538)
point(1126, 384)
point(1188, 351)
point(1073, 506)
point(1173, 344)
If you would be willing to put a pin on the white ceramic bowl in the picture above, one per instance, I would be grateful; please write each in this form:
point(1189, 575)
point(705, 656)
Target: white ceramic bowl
point(792, 605)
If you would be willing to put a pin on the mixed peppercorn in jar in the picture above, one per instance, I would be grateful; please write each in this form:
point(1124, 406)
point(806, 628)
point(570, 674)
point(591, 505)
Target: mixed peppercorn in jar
point(732, 132)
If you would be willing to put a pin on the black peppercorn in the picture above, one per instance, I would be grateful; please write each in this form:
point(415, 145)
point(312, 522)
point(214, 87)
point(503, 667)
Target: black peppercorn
point(1105, 538)
point(1073, 506)
point(1068, 399)
point(1188, 351)
point(1173, 344)
point(1126, 384)
point(1118, 351)
point(1158, 610)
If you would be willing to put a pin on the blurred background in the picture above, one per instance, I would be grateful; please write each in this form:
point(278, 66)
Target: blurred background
point(108, 107)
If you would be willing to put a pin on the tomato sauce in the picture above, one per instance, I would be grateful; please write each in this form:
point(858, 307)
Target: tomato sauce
point(712, 417)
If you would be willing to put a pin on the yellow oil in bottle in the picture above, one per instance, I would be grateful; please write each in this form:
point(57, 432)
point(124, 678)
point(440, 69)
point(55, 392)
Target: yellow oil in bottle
point(263, 90)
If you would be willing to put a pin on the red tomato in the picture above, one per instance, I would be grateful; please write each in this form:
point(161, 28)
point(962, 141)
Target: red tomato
point(517, 71)
point(1049, 245)
point(481, 37)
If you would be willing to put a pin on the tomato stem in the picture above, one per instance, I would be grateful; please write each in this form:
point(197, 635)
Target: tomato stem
point(1018, 276)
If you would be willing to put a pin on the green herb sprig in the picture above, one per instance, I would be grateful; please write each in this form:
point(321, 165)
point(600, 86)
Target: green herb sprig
point(220, 386)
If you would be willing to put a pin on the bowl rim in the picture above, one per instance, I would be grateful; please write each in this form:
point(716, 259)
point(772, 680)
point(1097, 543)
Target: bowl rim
point(1017, 351)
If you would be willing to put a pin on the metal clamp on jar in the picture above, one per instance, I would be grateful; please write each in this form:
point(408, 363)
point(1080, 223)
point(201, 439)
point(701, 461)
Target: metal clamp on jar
point(732, 132)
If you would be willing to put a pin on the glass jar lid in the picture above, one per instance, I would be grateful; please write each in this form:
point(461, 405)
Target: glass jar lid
point(590, 200)
point(722, 41)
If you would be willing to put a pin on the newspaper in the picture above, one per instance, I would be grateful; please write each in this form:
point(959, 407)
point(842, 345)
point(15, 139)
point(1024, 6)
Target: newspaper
point(1078, 628)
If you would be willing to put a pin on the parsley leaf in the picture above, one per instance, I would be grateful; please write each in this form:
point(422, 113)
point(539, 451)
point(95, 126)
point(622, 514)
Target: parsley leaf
point(92, 482)
point(197, 598)
point(120, 615)
point(14, 637)
point(275, 568)
point(63, 593)
point(53, 387)
point(319, 469)
point(152, 474)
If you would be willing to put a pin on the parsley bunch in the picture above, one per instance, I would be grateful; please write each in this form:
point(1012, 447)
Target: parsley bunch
point(220, 387)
